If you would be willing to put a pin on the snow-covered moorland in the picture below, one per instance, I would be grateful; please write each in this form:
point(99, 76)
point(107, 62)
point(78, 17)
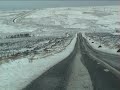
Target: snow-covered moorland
point(28, 37)
point(15, 75)
point(105, 42)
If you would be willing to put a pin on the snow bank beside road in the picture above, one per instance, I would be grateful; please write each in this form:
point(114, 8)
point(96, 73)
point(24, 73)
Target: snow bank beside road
point(104, 48)
point(17, 74)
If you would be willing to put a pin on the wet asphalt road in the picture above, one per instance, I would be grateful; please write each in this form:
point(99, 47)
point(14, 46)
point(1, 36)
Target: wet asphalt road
point(56, 78)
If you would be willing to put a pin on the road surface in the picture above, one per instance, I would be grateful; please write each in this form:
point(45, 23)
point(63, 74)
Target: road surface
point(97, 62)
point(71, 73)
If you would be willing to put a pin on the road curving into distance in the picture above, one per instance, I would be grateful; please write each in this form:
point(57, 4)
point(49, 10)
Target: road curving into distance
point(84, 69)
point(22, 15)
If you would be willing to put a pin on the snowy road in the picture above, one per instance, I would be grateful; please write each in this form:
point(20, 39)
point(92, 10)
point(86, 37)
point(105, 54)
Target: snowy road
point(66, 75)
point(109, 61)
point(103, 67)
point(71, 74)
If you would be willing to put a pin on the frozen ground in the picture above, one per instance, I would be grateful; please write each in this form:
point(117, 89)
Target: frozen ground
point(28, 36)
point(106, 42)
point(15, 75)
point(22, 45)
point(105, 18)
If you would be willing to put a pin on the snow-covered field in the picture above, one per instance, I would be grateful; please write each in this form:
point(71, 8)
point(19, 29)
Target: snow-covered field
point(21, 45)
point(29, 39)
point(15, 75)
point(106, 42)
point(99, 18)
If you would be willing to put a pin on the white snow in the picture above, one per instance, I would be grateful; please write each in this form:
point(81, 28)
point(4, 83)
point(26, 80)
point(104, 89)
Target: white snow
point(106, 70)
point(103, 48)
point(68, 17)
point(116, 34)
point(13, 29)
point(15, 75)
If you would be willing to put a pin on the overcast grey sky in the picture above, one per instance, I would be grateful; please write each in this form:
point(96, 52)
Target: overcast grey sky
point(59, 0)
point(35, 4)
